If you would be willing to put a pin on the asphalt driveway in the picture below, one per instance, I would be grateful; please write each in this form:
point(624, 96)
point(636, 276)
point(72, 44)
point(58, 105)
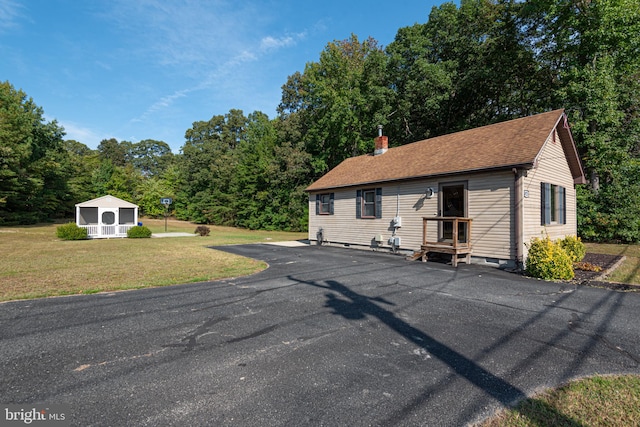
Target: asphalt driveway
point(325, 336)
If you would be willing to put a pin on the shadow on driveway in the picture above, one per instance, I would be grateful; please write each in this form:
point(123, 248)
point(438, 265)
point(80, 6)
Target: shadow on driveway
point(354, 306)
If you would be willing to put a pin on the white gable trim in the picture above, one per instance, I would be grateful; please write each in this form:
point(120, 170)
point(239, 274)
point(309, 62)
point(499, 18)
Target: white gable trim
point(107, 201)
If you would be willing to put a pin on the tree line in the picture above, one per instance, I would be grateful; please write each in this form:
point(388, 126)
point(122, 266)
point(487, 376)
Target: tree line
point(478, 63)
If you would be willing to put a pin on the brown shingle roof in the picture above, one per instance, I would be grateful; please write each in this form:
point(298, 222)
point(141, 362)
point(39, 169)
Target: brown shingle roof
point(502, 145)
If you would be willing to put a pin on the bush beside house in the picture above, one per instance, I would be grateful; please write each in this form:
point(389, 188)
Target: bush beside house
point(550, 260)
point(574, 247)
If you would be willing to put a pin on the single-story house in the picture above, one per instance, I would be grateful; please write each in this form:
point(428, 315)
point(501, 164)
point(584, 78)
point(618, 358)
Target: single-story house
point(483, 193)
point(106, 217)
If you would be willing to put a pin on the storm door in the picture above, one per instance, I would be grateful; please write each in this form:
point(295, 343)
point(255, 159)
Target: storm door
point(453, 203)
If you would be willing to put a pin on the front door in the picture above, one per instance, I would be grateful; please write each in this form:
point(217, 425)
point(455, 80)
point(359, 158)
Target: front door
point(453, 204)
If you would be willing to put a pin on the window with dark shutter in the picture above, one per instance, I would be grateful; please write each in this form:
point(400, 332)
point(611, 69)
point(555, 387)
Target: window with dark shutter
point(324, 204)
point(553, 204)
point(369, 203)
point(378, 210)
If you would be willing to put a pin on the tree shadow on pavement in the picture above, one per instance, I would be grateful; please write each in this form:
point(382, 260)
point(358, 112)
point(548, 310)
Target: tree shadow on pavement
point(357, 306)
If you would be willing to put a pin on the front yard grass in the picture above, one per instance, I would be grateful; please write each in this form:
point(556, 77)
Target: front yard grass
point(596, 401)
point(629, 271)
point(35, 263)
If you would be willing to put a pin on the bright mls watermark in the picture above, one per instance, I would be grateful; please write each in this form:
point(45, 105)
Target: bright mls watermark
point(35, 415)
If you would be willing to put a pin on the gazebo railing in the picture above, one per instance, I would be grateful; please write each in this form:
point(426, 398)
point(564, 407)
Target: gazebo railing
point(100, 231)
point(124, 228)
point(92, 230)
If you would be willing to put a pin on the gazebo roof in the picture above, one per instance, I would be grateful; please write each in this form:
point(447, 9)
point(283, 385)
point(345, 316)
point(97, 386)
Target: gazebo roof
point(107, 201)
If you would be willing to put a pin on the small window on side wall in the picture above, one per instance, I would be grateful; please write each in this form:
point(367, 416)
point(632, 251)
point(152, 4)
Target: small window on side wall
point(324, 204)
point(369, 203)
point(553, 204)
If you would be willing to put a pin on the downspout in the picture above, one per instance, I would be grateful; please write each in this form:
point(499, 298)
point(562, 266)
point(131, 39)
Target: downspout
point(518, 218)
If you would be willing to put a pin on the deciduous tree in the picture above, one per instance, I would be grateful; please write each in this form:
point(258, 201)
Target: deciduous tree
point(33, 162)
point(339, 101)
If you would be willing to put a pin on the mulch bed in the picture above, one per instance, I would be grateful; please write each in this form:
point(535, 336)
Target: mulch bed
point(592, 278)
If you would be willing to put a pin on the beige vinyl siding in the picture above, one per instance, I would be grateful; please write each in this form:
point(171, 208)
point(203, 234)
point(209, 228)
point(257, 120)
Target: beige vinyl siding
point(490, 202)
point(344, 228)
point(552, 168)
point(489, 198)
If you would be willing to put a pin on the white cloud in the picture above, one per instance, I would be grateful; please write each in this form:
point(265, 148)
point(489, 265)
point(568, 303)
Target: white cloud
point(10, 13)
point(270, 42)
point(103, 65)
point(187, 33)
point(162, 103)
point(87, 136)
point(213, 46)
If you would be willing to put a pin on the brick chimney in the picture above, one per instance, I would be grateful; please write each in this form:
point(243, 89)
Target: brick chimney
point(382, 143)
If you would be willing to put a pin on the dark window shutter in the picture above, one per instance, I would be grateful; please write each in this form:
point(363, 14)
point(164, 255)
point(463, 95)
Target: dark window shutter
point(547, 200)
point(545, 203)
point(359, 204)
point(331, 196)
point(317, 204)
point(542, 203)
point(378, 202)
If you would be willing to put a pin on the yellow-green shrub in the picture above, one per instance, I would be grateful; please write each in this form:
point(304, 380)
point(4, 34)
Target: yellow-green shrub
point(574, 247)
point(547, 260)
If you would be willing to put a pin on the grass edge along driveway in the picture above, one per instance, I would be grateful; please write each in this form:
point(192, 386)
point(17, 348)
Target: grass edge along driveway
point(35, 263)
point(610, 400)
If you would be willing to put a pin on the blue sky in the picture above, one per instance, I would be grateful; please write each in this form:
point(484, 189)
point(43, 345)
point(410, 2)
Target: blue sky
point(147, 69)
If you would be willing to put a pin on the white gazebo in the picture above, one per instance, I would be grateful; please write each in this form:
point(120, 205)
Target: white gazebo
point(106, 217)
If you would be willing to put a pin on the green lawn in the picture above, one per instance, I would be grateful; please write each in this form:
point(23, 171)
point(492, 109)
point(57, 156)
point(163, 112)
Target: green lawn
point(35, 263)
point(629, 271)
point(612, 401)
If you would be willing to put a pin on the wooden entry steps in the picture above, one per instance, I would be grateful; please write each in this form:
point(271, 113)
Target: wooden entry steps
point(458, 244)
point(425, 249)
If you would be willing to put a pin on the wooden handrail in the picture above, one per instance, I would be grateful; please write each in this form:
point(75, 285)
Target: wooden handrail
point(453, 246)
point(454, 243)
